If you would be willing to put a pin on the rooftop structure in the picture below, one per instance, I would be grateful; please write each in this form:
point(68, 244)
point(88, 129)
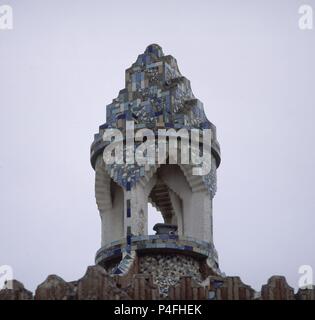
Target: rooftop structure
point(156, 96)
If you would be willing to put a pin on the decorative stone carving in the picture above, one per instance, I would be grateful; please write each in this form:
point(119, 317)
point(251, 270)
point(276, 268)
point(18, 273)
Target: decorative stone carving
point(179, 280)
point(55, 288)
point(229, 288)
point(17, 292)
point(306, 294)
point(96, 284)
point(277, 288)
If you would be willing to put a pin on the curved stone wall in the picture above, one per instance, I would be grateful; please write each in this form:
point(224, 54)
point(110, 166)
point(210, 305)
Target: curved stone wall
point(168, 269)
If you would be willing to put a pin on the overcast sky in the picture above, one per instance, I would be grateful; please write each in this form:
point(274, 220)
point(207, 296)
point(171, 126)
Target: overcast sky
point(250, 65)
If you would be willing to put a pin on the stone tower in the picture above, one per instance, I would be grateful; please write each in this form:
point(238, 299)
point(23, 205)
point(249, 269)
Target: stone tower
point(156, 96)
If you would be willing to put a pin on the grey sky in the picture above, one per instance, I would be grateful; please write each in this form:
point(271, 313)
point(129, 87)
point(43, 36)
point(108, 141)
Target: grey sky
point(247, 61)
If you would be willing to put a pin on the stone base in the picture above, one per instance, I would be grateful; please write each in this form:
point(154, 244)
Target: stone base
point(110, 255)
point(165, 257)
point(166, 270)
point(97, 284)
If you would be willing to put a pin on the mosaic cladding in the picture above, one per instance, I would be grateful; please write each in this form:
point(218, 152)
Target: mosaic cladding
point(145, 242)
point(155, 96)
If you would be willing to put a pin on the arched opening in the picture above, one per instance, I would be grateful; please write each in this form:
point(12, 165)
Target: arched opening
point(154, 217)
point(165, 203)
